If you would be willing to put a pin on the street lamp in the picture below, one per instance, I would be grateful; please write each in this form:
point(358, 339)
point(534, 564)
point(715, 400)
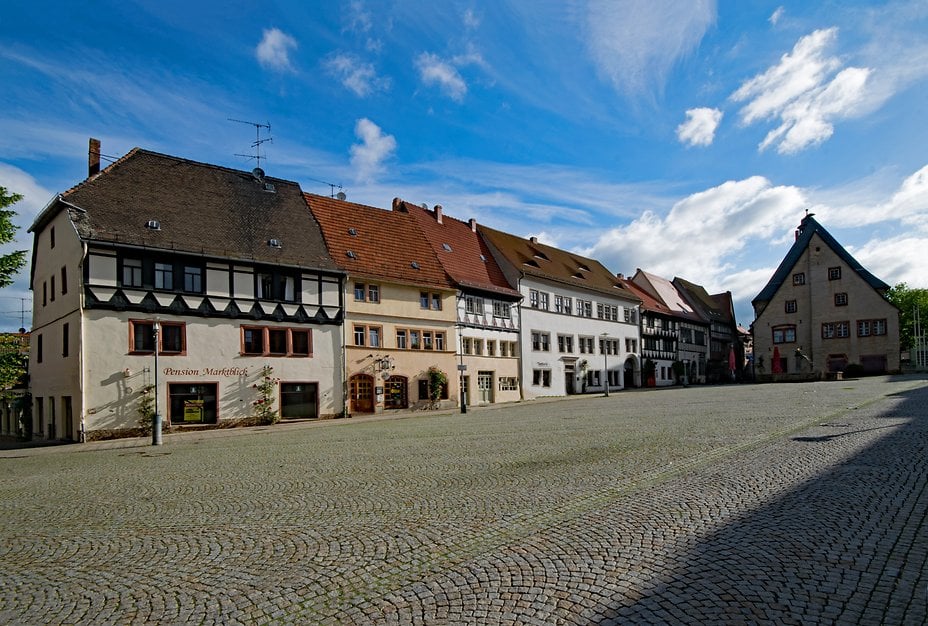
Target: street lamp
point(156, 422)
point(605, 363)
point(461, 370)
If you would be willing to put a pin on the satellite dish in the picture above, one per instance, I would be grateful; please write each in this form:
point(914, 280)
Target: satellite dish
point(258, 173)
point(341, 195)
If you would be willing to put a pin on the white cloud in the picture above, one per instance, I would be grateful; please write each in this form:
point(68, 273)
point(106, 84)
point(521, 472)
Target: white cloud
point(899, 259)
point(699, 127)
point(545, 237)
point(907, 205)
point(357, 76)
point(635, 43)
point(368, 156)
point(274, 50)
point(35, 197)
point(471, 20)
point(702, 232)
point(435, 71)
point(775, 17)
point(806, 90)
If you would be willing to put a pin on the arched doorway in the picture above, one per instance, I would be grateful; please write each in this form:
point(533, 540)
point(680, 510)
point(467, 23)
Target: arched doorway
point(361, 392)
point(630, 373)
point(396, 392)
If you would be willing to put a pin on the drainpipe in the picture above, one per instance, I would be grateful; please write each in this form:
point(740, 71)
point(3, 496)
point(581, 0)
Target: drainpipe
point(80, 352)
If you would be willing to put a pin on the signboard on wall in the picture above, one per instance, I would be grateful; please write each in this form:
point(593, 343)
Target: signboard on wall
point(193, 410)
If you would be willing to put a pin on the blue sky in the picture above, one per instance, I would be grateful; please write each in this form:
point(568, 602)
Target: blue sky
point(687, 138)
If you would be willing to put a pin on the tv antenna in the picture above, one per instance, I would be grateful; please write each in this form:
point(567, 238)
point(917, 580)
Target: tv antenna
point(256, 144)
point(332, 187)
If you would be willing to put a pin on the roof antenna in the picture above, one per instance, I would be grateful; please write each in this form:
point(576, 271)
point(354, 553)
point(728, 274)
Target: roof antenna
point(256, 144)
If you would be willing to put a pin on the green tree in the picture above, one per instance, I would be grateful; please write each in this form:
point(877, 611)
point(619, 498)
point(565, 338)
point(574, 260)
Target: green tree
point(10, 263)
point(907, 299)
point(14, 357)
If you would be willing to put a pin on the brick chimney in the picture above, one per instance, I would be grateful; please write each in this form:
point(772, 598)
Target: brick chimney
point(473, 224)
point(398, 205)
point(93, 157)
point(438, 213)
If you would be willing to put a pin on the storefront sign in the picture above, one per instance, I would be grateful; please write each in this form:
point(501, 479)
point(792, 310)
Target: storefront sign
point(193, 410)
point(206, 371)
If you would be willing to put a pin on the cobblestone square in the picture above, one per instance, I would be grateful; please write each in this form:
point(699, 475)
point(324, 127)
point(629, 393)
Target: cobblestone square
point(786, 504)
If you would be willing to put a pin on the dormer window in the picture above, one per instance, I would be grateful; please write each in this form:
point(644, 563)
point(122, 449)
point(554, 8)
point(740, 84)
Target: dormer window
point(353, 232)
point(153, 225)
point(446, 247)
point(414, 265)
point(351, 255)
point(274, 243)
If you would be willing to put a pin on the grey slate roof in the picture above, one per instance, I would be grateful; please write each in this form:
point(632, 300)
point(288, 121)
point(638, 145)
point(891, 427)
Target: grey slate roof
point(202, 209)
point(807, 228)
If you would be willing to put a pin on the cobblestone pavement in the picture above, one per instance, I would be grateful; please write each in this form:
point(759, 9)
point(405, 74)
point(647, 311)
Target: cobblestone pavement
point(744, 504)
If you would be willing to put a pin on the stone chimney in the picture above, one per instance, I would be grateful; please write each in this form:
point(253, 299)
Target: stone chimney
point(398, 205)
point(473, 224)
point(93, 157)
point(533, 239)
point(438, 213)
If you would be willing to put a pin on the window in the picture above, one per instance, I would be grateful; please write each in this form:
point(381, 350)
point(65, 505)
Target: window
point(841, 299)
point(586, 345)
point(558, 304)
point(192, 403)
point(64, 280)
point(38, 349)
point(44, 293)
point(491, 347)
point(65, 339)
point(439, 341)
point(193, 279)
point(631, 345)
point(427, 300)
point(867, 328)
point(467, 345)
point(366, 293)
point(790, 306)
point(568, 305)
point(426, 340)
point(360, 292)
point(131, 272)
point(565, 343)
point(608, 346)
point(401, 339)
point(533, 298)
point(799, 279)
point(373, 293)
point(508, 383)
point(504, 348)
point(275, 341)
point(699, 337)
point(424, 390)
point(541, 342)
point(585, 308)
point(473, 304)
point(478, 347)
point(784, 334)
point(543, 301)
point(164, 276)
point(51, 237)
point(607, 312)
point(53, 287)
point(275, 285)
point(501, 309)
point(414, 339)
point(367, 335)
point(299, 400)
point(834, 273)
point(171, 337)
point(541, 378)
point(836, 330)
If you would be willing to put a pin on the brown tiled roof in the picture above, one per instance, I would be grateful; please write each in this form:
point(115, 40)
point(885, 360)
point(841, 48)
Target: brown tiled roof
point(461, 251)
point(375, 243)
point(667, 293)
point(537, 259)
point(201, 208)
point(714, 307)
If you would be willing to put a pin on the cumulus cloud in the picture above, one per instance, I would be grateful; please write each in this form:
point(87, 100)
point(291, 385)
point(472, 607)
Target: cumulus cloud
point(368, 156)
point(274, 50)
point(703, 231)
point(355, 75)
point(435, 71)
point(635, 43)
point(699, 127)
point(895, 260)
point(805, 92)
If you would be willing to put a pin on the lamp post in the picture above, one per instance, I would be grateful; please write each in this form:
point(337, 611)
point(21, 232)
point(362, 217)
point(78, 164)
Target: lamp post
point(461, 369)
point(605, 363)
point(156, 422)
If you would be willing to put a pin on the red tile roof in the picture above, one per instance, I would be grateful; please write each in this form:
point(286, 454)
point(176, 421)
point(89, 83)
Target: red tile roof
point(375, 243)
point(648, 302)
point(461, 251)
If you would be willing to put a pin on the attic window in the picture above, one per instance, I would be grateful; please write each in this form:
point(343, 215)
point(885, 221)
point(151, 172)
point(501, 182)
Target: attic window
point(538, 254)
point(583, 268)
point(351, 255)
point(269, 187)
point(414, 265)
point(579, 276)
point(274, 243)
point(353, 232)
point(446, 247)
point(153, 225)
point(483, 258)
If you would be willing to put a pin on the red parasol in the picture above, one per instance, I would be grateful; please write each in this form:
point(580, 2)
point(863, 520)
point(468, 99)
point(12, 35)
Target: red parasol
point(775, 365)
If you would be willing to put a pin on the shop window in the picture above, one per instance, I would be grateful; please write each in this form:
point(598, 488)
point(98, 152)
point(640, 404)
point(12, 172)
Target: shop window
point(192, 403)
point(541, 378)
point(299, 400)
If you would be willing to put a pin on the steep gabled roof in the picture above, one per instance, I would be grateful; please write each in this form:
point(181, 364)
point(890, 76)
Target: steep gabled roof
point(199, 209)
point(461, 251)
point(713, 308)
point(534, 258)
point(665, 291)
point(378, 244)
point(648, 302)
point(807, 228)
